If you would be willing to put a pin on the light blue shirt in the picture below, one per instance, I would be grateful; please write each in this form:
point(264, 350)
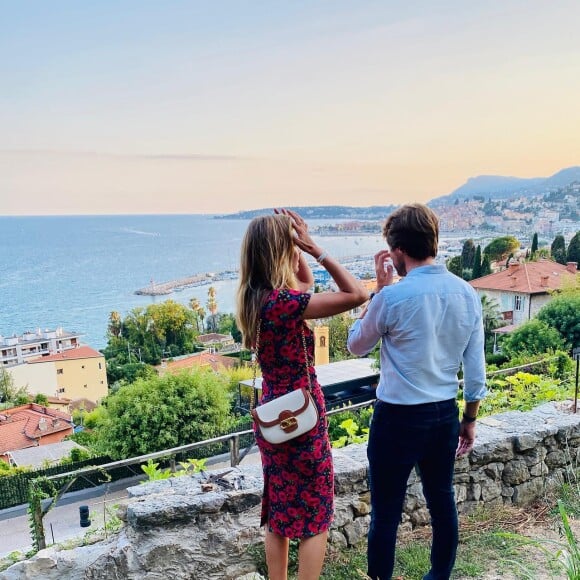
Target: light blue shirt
point(428, 323)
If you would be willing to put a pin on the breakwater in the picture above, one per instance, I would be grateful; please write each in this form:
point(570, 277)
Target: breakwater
point(164, 288)
point(353, 263)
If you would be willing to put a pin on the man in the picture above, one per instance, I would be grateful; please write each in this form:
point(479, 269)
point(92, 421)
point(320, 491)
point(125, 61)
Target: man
point(429, 324)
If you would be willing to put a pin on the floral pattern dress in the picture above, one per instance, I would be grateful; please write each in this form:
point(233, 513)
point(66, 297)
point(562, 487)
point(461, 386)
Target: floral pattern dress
point(298, 500)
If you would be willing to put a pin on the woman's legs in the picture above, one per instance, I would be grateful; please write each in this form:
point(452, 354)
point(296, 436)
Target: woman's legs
point(311, 556)
point(276, 555)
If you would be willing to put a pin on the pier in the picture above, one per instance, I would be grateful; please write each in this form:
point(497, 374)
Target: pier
point(163, 288)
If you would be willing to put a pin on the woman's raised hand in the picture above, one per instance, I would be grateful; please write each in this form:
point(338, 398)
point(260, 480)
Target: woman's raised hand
point(301, 236)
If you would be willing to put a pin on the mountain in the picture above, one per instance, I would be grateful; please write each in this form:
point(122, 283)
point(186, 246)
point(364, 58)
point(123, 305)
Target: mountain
point(500, 187)
point(375, 212)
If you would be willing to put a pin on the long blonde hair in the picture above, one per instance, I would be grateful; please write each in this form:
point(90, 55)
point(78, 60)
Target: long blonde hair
point(266, 263)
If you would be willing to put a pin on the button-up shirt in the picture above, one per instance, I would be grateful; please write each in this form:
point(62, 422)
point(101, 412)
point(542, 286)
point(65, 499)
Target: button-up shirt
point(428, 323)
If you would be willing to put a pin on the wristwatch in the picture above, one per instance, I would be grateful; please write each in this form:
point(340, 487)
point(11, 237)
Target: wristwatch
point(468, 419)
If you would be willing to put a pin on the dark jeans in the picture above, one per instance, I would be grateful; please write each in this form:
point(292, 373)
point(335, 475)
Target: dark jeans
point(402, 436)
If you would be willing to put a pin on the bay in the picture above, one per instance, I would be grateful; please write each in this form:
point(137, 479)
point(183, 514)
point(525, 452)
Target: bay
point(73, 271)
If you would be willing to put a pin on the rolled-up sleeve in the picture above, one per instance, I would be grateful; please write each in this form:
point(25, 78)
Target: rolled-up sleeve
point(474, 388)
point(365, 333)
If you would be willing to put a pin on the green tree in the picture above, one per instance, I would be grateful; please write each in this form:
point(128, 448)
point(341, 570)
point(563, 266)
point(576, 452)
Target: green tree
point(573, 254)
point(337, 334)
point(534, 244)
point(501, 248)
point(9, 393)
point(212, 308)
point(454, 265)
point(532, 337)
point(115, 324)
point(558, 249)
point(226, 324)
point(468, 254)
point(163, 412)
point(485, 266)
point(476, 273)
point(562, 314)
point(147, 334)
point(199, 313)
point(492, 318)
point(41, 399)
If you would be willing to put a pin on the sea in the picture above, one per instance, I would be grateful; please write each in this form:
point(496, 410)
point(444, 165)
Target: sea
point(71, 272)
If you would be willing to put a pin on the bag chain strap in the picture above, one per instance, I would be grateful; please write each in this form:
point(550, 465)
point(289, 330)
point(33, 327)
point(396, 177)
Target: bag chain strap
point(255, 364)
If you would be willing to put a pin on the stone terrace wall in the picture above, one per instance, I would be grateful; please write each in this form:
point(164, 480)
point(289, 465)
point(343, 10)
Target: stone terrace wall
point(174, 529)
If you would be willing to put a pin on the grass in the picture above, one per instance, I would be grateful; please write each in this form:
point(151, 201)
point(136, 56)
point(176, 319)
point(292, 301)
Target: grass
point(491, 541)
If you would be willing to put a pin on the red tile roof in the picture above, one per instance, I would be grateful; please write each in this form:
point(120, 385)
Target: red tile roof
point(525, 278)
point(70, 354)
point(19, 426)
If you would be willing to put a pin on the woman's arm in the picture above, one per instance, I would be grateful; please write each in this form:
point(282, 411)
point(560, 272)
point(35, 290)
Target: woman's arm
point(351, 292)
point(304, 275)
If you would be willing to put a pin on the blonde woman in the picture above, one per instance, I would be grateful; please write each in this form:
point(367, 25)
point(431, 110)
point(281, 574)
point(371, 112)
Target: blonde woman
point(275, 295)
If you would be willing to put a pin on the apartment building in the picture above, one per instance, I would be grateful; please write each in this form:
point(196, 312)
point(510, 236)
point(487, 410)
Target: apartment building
point(75, 373)
point(15, 350)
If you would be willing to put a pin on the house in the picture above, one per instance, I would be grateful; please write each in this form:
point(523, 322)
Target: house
point(15, 350)
point(217, 362)
point(215, 341)
point(31, 425)
point(75, 373)
point(523, 288)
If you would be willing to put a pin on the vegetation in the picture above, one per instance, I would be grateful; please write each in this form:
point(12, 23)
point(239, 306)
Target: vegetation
point(561, 314)
point(490, 541)
point(573, 254)
point(163, 412)
point(146, 335)
point(501, 248)
point(522, 392)
point(558, 249)
point(492, 319)
point(468, 254)
point(532, 337)
point(338, 332)
point(10, 395)
point(534, 244)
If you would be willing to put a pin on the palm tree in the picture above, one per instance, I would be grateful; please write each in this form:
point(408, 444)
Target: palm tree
point(492, 316)
point(115, 324)
point(199, 312)
point(212, 305)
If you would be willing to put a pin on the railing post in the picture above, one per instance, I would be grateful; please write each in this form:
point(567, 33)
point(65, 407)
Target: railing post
point(36, 515)
point(234, 450)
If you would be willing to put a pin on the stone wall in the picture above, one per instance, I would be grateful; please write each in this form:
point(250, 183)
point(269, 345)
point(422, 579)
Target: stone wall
point(196, 527)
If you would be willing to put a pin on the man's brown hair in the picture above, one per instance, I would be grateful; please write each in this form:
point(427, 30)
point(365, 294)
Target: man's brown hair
point(413, 229)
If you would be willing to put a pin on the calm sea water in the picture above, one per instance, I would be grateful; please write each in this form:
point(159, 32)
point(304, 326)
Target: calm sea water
point(73, 272)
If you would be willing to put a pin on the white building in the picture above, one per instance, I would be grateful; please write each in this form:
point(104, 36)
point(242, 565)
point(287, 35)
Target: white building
point(15, 350)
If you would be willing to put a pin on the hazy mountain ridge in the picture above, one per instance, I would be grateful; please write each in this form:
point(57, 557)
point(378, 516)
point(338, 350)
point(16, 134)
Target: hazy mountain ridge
point(500, 187)
point(496, 187)
point(324, 212)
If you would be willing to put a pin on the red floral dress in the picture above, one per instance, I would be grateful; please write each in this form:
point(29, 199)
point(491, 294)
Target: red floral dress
point(298, 499)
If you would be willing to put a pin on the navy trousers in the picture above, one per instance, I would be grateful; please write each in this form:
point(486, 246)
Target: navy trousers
point(402, 436)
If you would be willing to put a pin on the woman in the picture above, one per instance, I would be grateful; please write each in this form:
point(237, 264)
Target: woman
point(274, 293)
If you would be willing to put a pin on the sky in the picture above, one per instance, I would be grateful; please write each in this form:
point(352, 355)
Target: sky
point(219, 106)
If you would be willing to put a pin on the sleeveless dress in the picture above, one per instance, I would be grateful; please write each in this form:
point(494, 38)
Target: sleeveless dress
point(298, 500)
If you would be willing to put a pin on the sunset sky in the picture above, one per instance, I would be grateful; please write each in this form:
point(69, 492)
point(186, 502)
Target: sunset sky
point(209, 107)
